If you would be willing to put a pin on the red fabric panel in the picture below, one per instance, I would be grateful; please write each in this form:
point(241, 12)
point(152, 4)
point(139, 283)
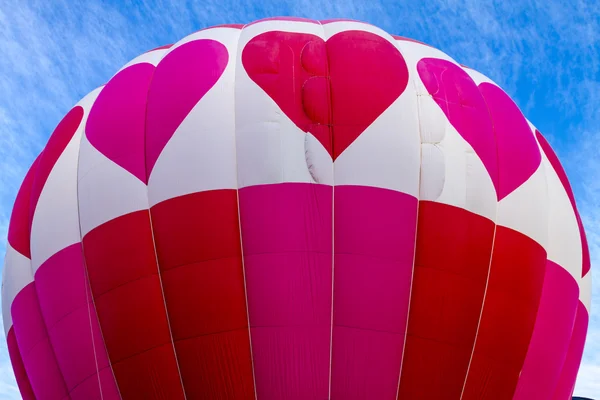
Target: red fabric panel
point(198, 245)
point(338, 87)
point(217, 366)
point(508, 317)
point(452, 261)
point(127, 292)
point(88, 388)
point(18, 367)
point(149, 375)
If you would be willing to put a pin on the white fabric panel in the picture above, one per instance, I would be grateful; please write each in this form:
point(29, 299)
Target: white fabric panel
point(467, 183)
point(478, 77)
point(201, 152)
point(526, 209)
point(152, 57)
point(332, 28)
point(564, 242)
point(432, 120)
point(56, 218)
point(413, 53)
point(256, 28)
point(318, 161)
point(270, 147)
point(451, 172)
point(585, 291)
point(432, 171)
point(387, 153)
point(16, 274)
point(105, 190)
point(226, 35)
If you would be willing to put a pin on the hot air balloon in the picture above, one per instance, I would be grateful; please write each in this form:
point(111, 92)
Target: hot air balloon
point(296, 210)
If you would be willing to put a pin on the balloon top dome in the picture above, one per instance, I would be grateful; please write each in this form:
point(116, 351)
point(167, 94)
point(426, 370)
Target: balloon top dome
point(300, 210)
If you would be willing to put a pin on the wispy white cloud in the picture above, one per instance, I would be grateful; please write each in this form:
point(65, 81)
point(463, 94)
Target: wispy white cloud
point(544, 54)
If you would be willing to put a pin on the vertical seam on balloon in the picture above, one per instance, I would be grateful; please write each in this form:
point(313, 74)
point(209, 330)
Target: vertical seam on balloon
point(91, 329)
point(487, 281)
point(89, 300)
point(418, 195)
point(545, 166)
point(87, 277)
point(331, 127)
point(147, 174)
point(37, 301)
point(237, 193)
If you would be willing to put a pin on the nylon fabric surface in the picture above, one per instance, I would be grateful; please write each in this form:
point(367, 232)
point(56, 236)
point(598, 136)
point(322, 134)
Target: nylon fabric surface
point(300, 210)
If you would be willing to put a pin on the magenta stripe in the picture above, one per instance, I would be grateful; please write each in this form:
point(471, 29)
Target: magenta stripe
point(552, 331)
point(566, 382)
point(63, 293)
point(36, 351)
point(374, 250)
point(287, 246)
point(18, 367)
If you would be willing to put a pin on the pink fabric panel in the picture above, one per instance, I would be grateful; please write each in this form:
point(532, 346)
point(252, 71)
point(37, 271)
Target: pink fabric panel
point(18, 367)
point(551, 335)
point(116, 122)
point(517, 151)
point(374, 250)
point(63, 292)
point(508, 138)
point(463, 104)
point(18, 229)
point(36, 351)
point(566, 382)
point(287, 247)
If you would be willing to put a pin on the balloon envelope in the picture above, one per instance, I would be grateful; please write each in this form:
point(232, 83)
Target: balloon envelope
point(296, 209)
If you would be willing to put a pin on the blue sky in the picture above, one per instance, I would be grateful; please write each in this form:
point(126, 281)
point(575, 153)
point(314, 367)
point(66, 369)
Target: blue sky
point(544, 54)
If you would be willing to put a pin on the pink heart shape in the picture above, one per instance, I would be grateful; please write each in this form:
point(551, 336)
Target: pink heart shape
point(138, 111)
point(487, 119)
point(180, 81)
point(333, 89)
point(116, 122)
